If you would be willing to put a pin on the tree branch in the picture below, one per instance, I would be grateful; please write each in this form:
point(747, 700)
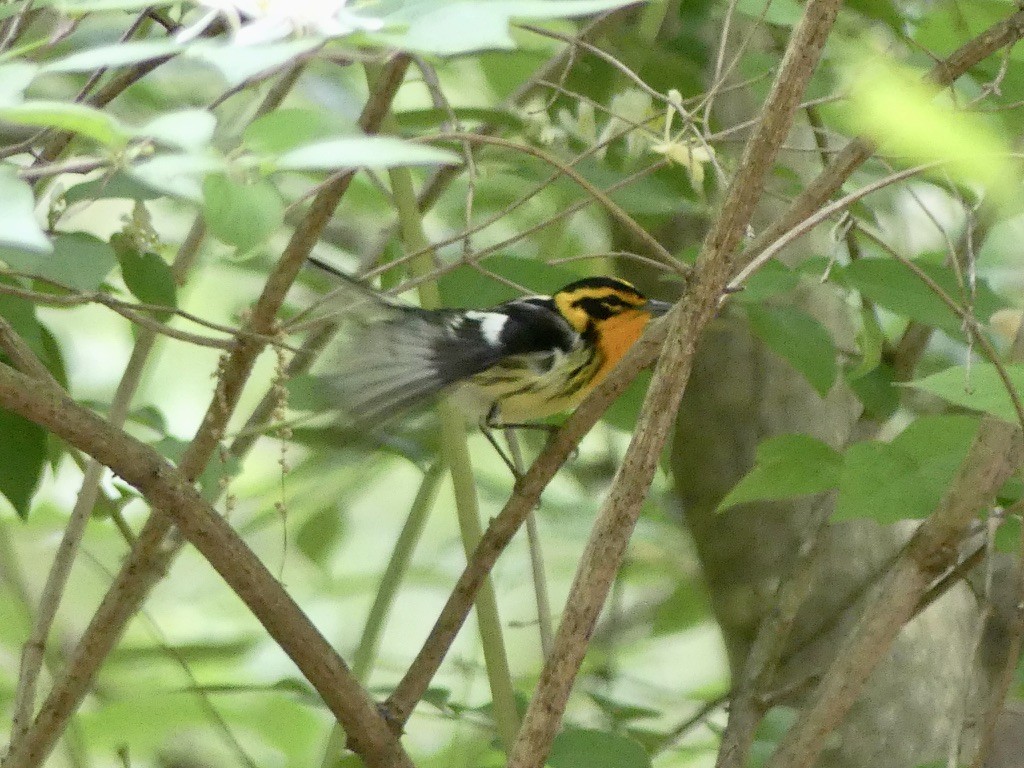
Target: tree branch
point(993, 456)
point(529, 488)
point(747, 702)
point(1004, 680)
point(829, 181)
point(502, 528)
point(152, 554)
point(621, 508)
point(170, 490)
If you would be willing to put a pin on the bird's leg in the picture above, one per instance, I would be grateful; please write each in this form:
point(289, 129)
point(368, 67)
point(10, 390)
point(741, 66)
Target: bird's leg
point(487, 426)
point(548, 429)
point(492, 422)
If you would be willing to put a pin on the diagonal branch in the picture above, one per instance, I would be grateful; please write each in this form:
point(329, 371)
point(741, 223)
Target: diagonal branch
point(529, 488)
point(503, 527)
point(994, 455)
point(152, 553)
point(621, 508)
point(170, 490)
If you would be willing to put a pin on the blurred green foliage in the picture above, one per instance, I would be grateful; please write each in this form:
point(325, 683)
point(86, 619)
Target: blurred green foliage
point(100, 197)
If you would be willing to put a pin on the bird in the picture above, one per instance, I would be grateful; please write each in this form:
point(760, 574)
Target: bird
point(515, 363)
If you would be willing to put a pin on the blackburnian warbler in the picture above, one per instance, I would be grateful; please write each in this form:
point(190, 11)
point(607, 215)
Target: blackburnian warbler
point(516, 362)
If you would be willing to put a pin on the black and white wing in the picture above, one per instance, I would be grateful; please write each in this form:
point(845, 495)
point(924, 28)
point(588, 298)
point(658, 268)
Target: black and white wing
point(393, 357)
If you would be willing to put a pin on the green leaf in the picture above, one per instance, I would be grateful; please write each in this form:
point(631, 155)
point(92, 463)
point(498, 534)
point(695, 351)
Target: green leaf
point(177, 174)
point(770, 280)
point(686, 607)
point(891, 285)
point(1011, 492)
point(50, 353)
point(904, 479)
point(783, 13)
point(770, 731)
point(871, 339)
point(377, 152)
point(880, 10)
point(318, 535)
point(912, 119)
point(22, 459)
point(586, 748)
point(78, 261)
point(624, 411)
point(23, 444)
point(978, 387)
point(877, 390)
point(15, 77)
point(450, 28)
point(117, 185)
point(242, 215)
point(238, 63)
point(873, 485)
point(785, 467)
point(620, 712)
point(800, 339)
point(649, 196)
point(285, 129)
point(21, 314)
point(307, 392)
point(18, 226)
point(944, 28)
point(100, 126)
point(80, 7)
point(149, 416)
point(147, 276)
point(114, 55)
point(189, 129)
point(1007, 538)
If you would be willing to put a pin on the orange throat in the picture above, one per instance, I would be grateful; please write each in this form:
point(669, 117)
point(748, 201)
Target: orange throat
point(615, 337)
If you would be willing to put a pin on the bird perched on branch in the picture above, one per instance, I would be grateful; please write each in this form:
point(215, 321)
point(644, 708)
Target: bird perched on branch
point(516, 362)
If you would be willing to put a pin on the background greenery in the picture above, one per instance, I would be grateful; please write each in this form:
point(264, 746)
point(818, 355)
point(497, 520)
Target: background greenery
point(830, 407)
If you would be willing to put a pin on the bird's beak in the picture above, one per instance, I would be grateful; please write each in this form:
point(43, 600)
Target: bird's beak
point(658, 308)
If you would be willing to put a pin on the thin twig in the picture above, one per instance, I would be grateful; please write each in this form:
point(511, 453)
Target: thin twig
point(829, 181)
point(799, 229)
point(970, 322)
point(747, 704)
point(521, 201)
point(132, 310)
point(540, 583)
point(14, 26)
point(1004, 681)
point(609, 205)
